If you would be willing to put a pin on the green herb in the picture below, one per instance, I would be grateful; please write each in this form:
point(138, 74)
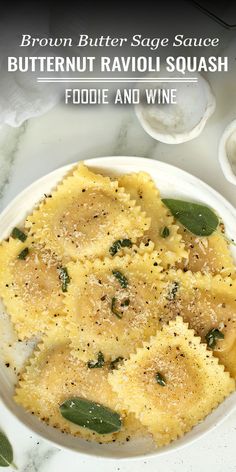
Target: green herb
point(113, 364)
point(97, 364)
point(64, 278)
point(212, 336)
point(121, 278)
point(91, 415)
point(23, 254)
point(126, 302)
point(198, 219)
point(6, 452)
point(18, 234)
point(173, 289)
point(114, 309)
point(118, 244)
point(165, 232)
point(160, 379)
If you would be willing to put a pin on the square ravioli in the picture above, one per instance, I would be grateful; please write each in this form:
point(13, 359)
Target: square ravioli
point(30, 285)
point(171, 383)
point(208, 304)
point(207, 254)
point(113, 305)
point(54, 376)
point(85, 215)
point(163, 234)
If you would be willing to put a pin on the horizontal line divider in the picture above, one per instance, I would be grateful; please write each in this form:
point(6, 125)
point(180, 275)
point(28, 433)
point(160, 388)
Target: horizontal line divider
point(115, 78)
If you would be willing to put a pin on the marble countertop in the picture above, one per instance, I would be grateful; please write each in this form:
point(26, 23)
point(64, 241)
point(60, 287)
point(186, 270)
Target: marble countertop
point(64, 135)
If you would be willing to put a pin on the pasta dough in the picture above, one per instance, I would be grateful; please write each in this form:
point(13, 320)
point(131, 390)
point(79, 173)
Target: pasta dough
point(30, 286)
point(85, 215)
point(170, 247)
point(206, 302)
point(53, 376)
point(208, 255)
point(112, 305)
point(194, 382)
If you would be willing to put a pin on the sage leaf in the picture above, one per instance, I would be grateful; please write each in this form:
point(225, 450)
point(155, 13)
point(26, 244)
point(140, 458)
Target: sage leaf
point(114, 364)
point(198, 219)
point(64, 278)
point(212, 336)
point(173, 289)
point(97, 364)
point(165, 232)
point(18, 234)
point(119, 244)
point(91, 415)
point(23, 254)
point(114, 309)
point(6, 452)
point(126, 302)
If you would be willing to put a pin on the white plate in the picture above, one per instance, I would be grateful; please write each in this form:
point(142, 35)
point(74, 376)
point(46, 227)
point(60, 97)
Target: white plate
point(172, 182)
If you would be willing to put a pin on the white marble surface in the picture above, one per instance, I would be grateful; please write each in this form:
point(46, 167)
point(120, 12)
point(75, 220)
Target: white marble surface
point(66, 134)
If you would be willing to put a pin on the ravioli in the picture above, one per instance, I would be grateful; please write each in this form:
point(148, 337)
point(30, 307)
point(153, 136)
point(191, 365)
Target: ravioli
point(30, 285)
point(53, 375)
point(85, 215)
point(207, 255)
point(206, 302)
point(112, 305)
point(162, 232)
point(171, 383)
point(101, 277)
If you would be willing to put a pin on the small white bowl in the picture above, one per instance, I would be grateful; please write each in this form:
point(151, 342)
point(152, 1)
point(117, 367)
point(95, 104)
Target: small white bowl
point(172, 182)
point(183, 121)
point(227, 152)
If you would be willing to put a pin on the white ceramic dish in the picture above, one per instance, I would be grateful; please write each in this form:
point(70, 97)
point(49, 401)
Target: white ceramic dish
point(172, 182)
point(183, 121)
point(227, 152)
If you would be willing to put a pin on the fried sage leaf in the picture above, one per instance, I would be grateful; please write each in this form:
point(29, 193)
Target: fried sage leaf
point(123, 281)
point(160, 379)
point(114, 310)
point(165, 232)
point(117, 245)
point(91, 415)
point(18, 234)
point(114, 364)
point(97, 364)
point(173, 289)
point(23, 254)
point(64, 278)
point(212, 336)
point(198, 219)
